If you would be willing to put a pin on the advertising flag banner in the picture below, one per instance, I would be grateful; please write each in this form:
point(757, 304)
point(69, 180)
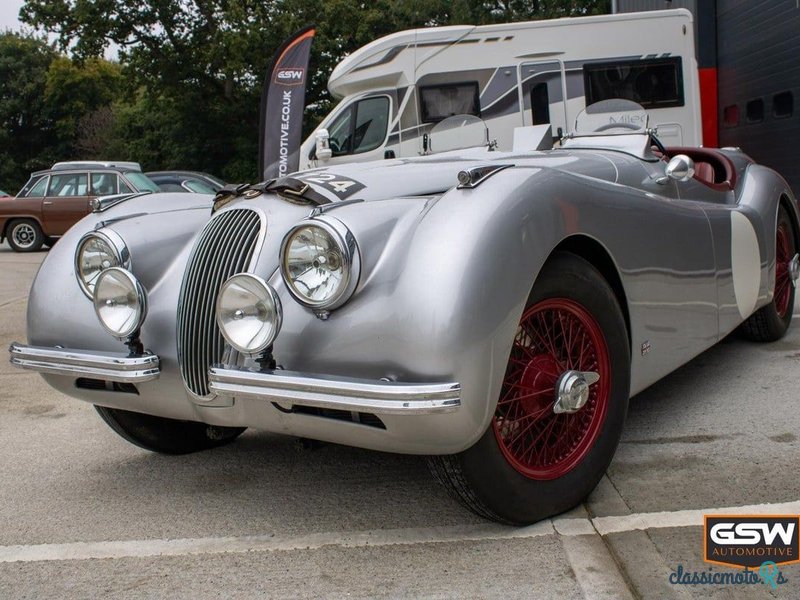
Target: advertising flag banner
point(282, 103)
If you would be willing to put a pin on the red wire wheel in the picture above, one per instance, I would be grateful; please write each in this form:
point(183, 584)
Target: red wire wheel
point(554, 336)
point(783, 280)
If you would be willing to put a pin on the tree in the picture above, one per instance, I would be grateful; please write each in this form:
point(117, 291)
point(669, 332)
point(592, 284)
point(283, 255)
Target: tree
point(203, 61)
point(25, 128)
point(74, 91)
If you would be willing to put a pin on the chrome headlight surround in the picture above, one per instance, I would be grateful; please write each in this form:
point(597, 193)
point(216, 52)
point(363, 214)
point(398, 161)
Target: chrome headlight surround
point(120, 257)
point(118, 289)
point(263, 302)
point(348, 251)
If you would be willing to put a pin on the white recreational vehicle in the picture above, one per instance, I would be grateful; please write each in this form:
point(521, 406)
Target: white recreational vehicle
point(395, 89)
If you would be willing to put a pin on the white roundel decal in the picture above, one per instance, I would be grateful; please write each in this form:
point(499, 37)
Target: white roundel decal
point(746, 263)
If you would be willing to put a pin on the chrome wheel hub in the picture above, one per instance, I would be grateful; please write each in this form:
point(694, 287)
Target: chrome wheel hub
point(24, 235)
point(794, 269)
point(572, 390)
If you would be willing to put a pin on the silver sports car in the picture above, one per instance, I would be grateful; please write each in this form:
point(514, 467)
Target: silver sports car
point(491, 310)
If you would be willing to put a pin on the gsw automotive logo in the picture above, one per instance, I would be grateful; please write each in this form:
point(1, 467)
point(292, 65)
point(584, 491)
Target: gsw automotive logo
point(750, 540)
point(294, 76)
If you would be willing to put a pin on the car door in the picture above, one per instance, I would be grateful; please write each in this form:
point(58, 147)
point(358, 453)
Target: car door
point(67, 201)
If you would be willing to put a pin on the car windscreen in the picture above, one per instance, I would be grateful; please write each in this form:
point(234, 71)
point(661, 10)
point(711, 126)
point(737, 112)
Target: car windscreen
point(216, 181)
point(198, 187)
point(141, 182)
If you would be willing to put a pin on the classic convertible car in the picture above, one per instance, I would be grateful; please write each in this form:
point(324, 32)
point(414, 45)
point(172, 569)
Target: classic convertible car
point(491, 310)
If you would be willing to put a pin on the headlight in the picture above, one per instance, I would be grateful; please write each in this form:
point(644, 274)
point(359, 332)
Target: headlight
point(320, 263)
point(120, 302)
point(98, 251)
point(248, 313)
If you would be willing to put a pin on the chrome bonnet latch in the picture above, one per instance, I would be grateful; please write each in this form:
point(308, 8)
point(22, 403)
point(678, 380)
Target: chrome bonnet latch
point(474, 176)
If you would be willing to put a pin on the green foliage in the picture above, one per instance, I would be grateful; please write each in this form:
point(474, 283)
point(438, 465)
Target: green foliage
point(26, 129)
point(185, 93)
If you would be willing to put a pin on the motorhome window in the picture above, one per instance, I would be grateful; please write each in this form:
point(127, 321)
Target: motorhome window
point(339, 133)
point(783, 105)
point(755, 110)
point(653, 83)
point(730, 116)
point(361, 127)
point(442, 101)
point(540, 104)
point(372, 120)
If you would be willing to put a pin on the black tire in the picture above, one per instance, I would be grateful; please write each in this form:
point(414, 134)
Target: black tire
point(166, 436)
point(50, 241)
point(487, 482)
point(24, 235)
point(771, 322)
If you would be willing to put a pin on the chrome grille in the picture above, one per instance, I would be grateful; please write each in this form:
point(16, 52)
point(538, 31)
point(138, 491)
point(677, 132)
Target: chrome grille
point(224, 248)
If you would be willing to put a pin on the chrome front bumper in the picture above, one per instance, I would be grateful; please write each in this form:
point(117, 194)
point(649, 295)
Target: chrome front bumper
point(280, 387)
point(107, 366)
point(339, 393)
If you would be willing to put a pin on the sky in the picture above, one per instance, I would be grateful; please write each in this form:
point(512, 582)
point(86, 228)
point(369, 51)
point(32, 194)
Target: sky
point(9, 19)
point(9, 10)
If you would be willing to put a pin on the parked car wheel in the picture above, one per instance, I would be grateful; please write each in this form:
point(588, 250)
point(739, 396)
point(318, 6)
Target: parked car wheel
point(771, 322)
point(25, 235)
point(166, 436)
point(533, 462)
point(50, 241)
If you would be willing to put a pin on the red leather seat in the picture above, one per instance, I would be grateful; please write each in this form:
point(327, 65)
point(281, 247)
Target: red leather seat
point(704, 172)
point(712, 167)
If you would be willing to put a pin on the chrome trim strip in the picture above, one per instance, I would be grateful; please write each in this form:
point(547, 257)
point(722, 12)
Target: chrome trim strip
point(81, 363)
point(103, 203)
point(474, 176)
point(341, 393)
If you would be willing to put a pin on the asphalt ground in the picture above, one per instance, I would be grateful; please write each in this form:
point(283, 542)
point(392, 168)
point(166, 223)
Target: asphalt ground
point(83, 514)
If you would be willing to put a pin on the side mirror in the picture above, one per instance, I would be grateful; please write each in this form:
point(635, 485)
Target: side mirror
point(323, 149)
point(680, 168)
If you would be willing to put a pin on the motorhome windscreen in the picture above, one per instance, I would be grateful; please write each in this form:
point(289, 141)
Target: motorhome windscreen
point(441, 101)
point(653, 83)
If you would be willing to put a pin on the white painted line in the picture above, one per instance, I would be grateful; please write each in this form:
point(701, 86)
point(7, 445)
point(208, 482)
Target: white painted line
point(267, 543)
point(565, 527)
point(573, 527)
point(597, 574)
point(686, 518)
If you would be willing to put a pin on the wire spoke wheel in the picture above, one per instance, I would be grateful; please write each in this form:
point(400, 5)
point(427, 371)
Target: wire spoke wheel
point(561, 403)
point(784, 252)
point(554, 336)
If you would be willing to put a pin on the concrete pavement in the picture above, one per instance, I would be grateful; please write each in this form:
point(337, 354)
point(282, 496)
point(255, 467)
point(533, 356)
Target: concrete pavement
point(83, 514)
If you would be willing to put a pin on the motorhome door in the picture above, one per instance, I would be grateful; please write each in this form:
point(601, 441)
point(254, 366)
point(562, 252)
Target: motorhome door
point(359, 130)
point(542, 94)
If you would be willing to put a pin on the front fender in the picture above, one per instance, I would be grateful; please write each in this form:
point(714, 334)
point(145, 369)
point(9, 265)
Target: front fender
point(445, 296)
